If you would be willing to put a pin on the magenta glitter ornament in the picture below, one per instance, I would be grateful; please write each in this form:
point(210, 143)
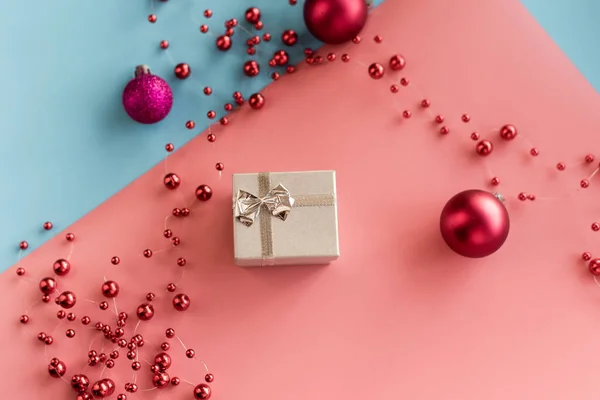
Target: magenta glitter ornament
point(147, 98)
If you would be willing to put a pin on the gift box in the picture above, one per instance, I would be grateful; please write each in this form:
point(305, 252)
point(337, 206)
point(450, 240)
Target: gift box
point(285, 218)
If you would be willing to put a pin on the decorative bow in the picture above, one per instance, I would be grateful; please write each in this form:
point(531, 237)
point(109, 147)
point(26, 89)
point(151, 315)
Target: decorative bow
point(277, 201)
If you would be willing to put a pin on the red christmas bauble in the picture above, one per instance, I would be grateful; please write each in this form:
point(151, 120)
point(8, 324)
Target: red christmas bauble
point(335, 21)
point(474, 223)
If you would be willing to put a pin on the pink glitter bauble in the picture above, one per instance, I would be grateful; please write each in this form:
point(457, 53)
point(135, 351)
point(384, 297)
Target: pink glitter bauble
point(147, 98)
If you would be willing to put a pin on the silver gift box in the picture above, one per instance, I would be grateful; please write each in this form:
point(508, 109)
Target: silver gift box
point(285, 218)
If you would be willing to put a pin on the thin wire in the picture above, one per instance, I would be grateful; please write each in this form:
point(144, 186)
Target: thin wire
point(71, 251)
point(594, 173)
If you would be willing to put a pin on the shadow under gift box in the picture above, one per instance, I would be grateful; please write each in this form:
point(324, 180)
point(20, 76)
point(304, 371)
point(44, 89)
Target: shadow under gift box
point(285, 218)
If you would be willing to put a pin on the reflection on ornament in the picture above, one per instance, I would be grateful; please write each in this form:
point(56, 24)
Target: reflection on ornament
point(474, 223)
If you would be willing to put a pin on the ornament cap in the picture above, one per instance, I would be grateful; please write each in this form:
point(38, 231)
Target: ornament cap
point(499, 197)
point(142, 70)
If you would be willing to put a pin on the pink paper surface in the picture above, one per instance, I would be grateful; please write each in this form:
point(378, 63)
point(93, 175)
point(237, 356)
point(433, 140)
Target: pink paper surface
point(398, 316)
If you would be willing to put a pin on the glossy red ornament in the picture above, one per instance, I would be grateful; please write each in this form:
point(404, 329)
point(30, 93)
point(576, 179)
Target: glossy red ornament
point(508, 132)
point(103, 388)
point(397, 62)
point(256, 101)
point(145, 312)
point(161, 380)
point(163, 361)
point(203, 192)
point(48, 285)
point(335, 21)
point(202, 392)
point(172, 181)
point(110, 289)
point(80, 383)
point(61, 267)
point(57, 368)
point(594, 266)
point(484, 148)
point(223, 42)
point(474, 223)
point(376, 71)
point(181, 302)
point(252, 15)
point(281, 57)
point(209, 377)
point(289, 37)
point(182, 71)
point(251, 68)
point(115, 260)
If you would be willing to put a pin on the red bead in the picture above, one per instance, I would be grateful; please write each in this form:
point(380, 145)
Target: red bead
point(251, 68)
point(57, 368)
point(211, 137)
point(465, 118)
point(160, 380)
point(256, 101)
point(534, 152)
point(219, 166)
point(252, 15)
point(508, 132)
point(61, 267)
point(596, 226)
point(171, 287)
point(404, 82)
point(561, 166)
point(85, 320)
point(589, 158)
point(23, 245)
point(176, 212)
point(266, 37)
point(275, 76)
point(136, 366)
point(20, 271)
point(70, 333)
point(70, 237)
point(165, 346)
point(439, 119)
point(181, 302)
point(229, 32)
point(289, 37)
point(47, 225)
point(522, 196)
point(175, 381)
point(147, 253)
point(331, 57)
point(258, 26)
point(406, 114)
point(46, 298)
point(175, 241)
point(202, 392)
point(48, 340)
point(207, 90)
point(167, 233)
point(164, 44)
point(594, 266)
point(280, 57)
point(531, 197)
point(444, 130)
point(211, 114)
point(171, 181)
point(378, 39)
point(207, 13)
point(190, 124)
point(115, 260)
point(170, 333)
point(356, 39)
point(145, 312)
point(209, 377)
point(163, 361)
point(394, 88)
point(587, 256)
point(182, 71)
point(110, 289)
point(203, 28)
point(292, 2)
point(103, 305)
point(150, 296)
point(190, 353)
point(152, 18)
point(425, 103)
point(41, 336)
point(131, 355)
point(584, 183)
point(47, 285)
point(484, 147)
point(495, 181)
point(203, 192)
point(397, 62)
point(376, 71)
point(185, 212)
point(345, 57)
point(169, 147)
point(61, 314)
point(474, 136)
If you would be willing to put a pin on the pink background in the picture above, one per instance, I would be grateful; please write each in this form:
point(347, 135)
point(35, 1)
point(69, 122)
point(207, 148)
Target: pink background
point(398, 316)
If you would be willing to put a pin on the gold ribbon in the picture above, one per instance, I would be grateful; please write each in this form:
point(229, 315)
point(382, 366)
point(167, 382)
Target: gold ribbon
point(278, 202)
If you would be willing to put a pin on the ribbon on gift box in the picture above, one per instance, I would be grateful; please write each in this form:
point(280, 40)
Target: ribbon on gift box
point(272, 202)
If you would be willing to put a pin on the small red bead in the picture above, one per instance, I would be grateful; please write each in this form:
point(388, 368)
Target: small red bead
point(289, 37)
point(484, 148)
point(85, 320)
point(534, 152)
point(164, 44)
point(47, 225)
point(258, 26)
point(394, 88)
point(256, 101)
point(561, 166)
point(594, 266)
point(275, 76)
point(182, 71)
point(171, 181)
point(181, 261)
point(147, 253)
point(103, 305)
point(331, 57)
point(190, 353)
point(152, 18)
point(211, 114)
point(171, 287)
point(211, 137)
point(190, 124)
point(531, 197)
point(397, 62)
point(474, 136)
point(209, 377)
point(70, 237)
point(584, 183)
point(224, 121)
point(207, 13)
point(165, 346)
point(203, 192)
point(70, 333)
point(176, 212)
point(356, 39)
point(175, 381)
point(175, 241)
point(24, 319)
point(266, 37)
point(170, 333)
point(115, 260)
point(61, 314)
point(406, 114)
point(219, 166)
point(169, 147)
point(23, 245)
point(439, 119)
point(589, 158)
point(150, 296)
point(203, 28)
point(522, 196)
point(345, 57)
point(596, 226)
point(586, 256)
point(425, 103)
point(20, 271)
point(251, 68)
point(404, 82)
point(495, 181)
point(444, 130)
point(465, 118)
point(508, 132)
point(207, 90)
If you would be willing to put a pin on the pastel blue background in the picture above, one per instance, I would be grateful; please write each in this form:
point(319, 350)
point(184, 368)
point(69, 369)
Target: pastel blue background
point(66, 143)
